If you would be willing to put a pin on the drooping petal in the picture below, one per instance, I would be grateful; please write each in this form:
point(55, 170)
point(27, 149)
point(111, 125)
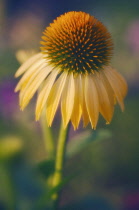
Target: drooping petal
point(85, 115)
point(77, 111)
point(105, 102)
point(67, 100)
point(108, 87)
point(44, 93)
point(27, 93)
point(30, 74)
point(117, 88)
point(24, 67)
point(120, 80)
point(54, 98)
point(91, 99)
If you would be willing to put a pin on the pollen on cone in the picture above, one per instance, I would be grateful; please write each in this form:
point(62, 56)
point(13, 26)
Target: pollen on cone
point(77, 42)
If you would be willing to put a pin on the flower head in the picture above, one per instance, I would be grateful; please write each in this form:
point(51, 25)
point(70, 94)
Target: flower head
point(78, 43)
point(73, 70)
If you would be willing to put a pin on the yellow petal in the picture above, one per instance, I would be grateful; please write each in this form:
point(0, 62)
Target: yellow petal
point(54, 97)
point(77, 111)
point(67, 100)
point(114, 82)
point(44, 93)
point(27, 93)
point(27, 64)
point(91, 99)
point(107, 87)
point(121, 81)
point(105, 103)
point(30, 74)
point(85, 115)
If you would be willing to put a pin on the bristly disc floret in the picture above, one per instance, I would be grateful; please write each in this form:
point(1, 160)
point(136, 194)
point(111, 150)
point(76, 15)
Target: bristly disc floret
point(77, 42)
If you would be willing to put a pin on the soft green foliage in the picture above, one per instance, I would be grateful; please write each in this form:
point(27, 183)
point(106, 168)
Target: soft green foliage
point(46, 168)
point(84, 139)
point(9, 147)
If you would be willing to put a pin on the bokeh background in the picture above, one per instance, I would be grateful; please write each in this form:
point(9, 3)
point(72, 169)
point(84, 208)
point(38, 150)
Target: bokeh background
point(108, 168)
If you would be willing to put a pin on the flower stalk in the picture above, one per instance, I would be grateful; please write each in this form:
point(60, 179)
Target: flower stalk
point(48, 138)
point(59, 163)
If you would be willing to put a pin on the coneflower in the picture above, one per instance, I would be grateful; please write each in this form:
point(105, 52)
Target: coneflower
point(72, 70)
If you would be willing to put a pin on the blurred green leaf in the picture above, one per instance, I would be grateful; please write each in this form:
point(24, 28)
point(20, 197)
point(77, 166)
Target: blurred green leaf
point(10, 146)
point(46, 198)
point(82, 140)
point(46, 167)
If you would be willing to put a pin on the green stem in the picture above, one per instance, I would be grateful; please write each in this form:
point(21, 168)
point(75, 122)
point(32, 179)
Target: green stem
point(10, 188)
point(47, 136)
point(59, 163)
